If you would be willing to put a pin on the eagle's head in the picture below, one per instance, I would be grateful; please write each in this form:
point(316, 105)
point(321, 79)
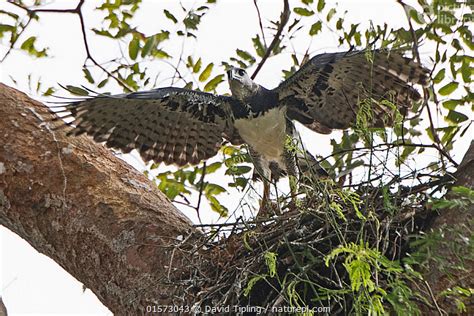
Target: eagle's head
point(240, 83)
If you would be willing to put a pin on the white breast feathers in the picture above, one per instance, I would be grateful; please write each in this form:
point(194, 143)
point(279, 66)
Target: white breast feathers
point(266, 134)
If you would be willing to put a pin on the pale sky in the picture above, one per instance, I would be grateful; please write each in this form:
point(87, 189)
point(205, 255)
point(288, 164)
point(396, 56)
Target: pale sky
point(30, 282)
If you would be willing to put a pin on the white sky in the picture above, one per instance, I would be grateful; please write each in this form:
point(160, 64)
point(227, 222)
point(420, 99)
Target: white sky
point(30, 282)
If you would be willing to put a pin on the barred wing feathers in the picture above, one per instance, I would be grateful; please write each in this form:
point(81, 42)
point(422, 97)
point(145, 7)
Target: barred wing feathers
point(170, 125)
point(327, 91)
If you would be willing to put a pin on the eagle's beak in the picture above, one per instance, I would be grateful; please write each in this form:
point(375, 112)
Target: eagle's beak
point(229, 74)
point(234, 75)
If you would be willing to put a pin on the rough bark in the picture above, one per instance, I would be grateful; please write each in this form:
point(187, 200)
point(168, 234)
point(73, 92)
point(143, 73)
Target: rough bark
point(3, 309)
point(72, 200)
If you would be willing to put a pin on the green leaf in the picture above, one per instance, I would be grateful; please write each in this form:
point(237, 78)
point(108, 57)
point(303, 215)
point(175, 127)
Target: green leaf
point(251, 284)
point(213, 83)
point(315, 28)
point(197, 66)
point(213, 189)
point(216, 206)
point(239, 182)
point(133, 47)
point(449, 88)
point(6, 28)
point(102, 83)
point(451, 104)
point(456, 117)
point(149, 44)
point(330, 14)
point(213, 167)
point(159, 53)
point(162, 36)
point(245, 55)
point(464, 191)
point(10, 14)
point(103, 33)
point(466, 70)
point(321, 5)
point(271, 262)
point(439, 76)
point(170, 16)
point(77, 91)
point(415, 15)
point(206, 73)
point(238, 170)
point(259, 48)
point(88, 75)
point(202, 8)
point(240, 62)
point(29, 46)
point(303, 11)
point(49, 91)
point(192, 21)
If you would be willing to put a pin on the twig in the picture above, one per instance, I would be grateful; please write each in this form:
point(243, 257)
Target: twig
point(201, 188)
point(392, 145)
point(416, 55)
point(284, 17)
point(260, 22)
point(77, 10)
point(89, 55)
point(16, 39)
point(433, 298)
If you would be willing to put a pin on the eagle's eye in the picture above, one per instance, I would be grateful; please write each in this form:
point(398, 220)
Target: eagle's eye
point(241, 72)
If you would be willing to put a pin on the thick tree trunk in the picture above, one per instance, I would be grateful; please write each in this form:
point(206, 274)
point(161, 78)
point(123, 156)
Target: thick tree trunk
point(100, 219)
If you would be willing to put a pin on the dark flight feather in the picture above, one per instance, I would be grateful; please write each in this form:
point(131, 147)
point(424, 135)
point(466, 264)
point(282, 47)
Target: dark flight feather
point(326, 92)
point(170, 125)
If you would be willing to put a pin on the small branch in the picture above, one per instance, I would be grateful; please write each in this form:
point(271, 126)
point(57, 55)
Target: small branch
point(393, 145)
point(284, 17)
point(77, 10)
point(33, 11)
point(433, 298)
point(16, 39)
point(260, 22)
point(201, 188)
point(89, 55)
point(416, 55)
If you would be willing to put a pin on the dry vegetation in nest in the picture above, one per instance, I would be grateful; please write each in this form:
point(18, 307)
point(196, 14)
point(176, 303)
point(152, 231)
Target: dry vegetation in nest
point(339, 251)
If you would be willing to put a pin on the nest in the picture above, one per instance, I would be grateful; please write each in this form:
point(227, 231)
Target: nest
point(298, 261)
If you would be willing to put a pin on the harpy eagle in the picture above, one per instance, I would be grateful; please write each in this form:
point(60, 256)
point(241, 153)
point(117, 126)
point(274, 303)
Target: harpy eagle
point(180, 126)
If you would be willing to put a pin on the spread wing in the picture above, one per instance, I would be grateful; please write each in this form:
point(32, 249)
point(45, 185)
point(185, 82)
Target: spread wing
point(171, 125)
point(327, 92)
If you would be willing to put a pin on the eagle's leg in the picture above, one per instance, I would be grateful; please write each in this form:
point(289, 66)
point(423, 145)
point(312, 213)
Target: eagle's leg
point(293, 177)
point(261, 172)
point(265, 203)
point(267, 207)
point(267, 172)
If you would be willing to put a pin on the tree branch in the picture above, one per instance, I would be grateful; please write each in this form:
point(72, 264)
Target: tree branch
point(284, 17)
point(97, 217)
point(78, 11)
